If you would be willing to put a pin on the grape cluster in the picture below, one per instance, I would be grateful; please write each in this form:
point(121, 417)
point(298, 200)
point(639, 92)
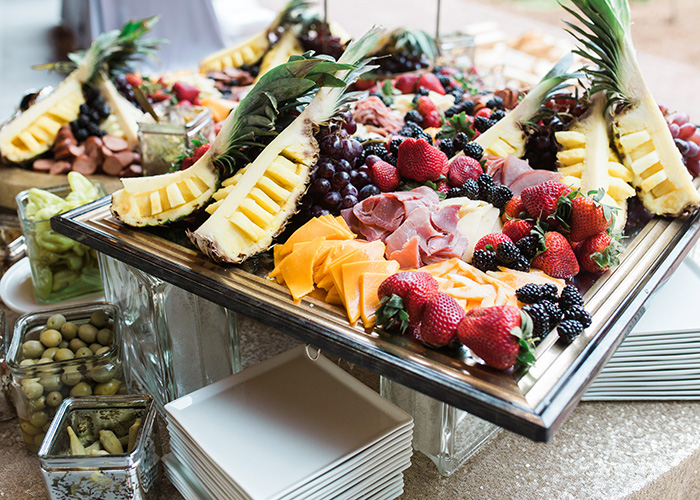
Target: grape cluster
point(318, 37)
point(541, 146)
point(125, 89)
point(686, 135)
point(400, 62)
point(92, 113)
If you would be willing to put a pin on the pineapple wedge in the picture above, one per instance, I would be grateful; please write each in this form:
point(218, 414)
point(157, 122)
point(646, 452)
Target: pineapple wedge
point(589, 164)
point(124, 116)
point(287, 46)
point(641, 136)
point(507, 136)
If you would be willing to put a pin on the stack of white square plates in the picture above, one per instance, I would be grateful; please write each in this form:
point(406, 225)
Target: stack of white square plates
point(292, 427)
point(660, 358)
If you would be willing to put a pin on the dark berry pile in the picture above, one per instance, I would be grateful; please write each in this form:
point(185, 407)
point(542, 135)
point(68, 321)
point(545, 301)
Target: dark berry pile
point(318, 38)
point(483, 189)
point(92, 113)
point(460, 142)
point(507, 254)
point(547, 310)
point(413, 129)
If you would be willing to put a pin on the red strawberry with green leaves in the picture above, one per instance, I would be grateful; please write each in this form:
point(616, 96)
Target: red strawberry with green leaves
point(500, 335)
point(385, 176)
point(429, 81)
point(432, 120)
point(406, 83)
point(491, 241)
point(403, 297)
point(420, 161)
point(425, 106)
point(589, 216)
point(541, 201)
point(598, 253)
point(201, 151)
point(441, 317)
point(517, 229)
point(443, 187)
point(514, 209)
point(462, 169)
point(558, 259)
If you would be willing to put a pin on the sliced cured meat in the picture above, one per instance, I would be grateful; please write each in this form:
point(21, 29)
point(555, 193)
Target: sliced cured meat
point(533, 178)
point(376, 117)
point(409, 256)
point(513, 168)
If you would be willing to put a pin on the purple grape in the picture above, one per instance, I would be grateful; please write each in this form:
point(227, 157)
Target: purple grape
point(674, 128)
point(362, 179)
point(348, 201)
point(321, 186)
point(352, 149)
point(350, 126)
point(368, 190)
point(371, 160)
point(318, 211)
point(340, 180)
point(693, 149)
point(331, 200)
point(331, 145)
point(306, 203)
point(343, 166)
point(682, 146)
point(349, 190)
point(326, 170)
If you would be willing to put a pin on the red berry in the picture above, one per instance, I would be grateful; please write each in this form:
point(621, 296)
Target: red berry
point(406, 83)
point(491, 241)
point(432, 120)
point(588, 217)
point(420, 161)
point(200, 151)
point(413, 287)
point(462, 169)
point(185, 91)
point(430, 81)
point(425, 106)
point(541, 201)
point(485, 112)
point(441, 316)
point(558, 260)
point(443, 187)
point(598, 253)
point(517, 229)
point(385, 176)
point(514, 209)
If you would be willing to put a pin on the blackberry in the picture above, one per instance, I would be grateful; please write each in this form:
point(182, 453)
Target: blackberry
point(379, 150)
point(422, 91)
point(468, 106)
point(90, 93)
point(540, 319)
point(459, 141)
point(454, 192)
point(495, 103)
point(498, 115)
point(411, 129)
point(529, 294)
point(506, 253)
point(522, 264)
point(474, 150)
point(549, 292)
point(578, 313)
point(458, 93)
point(413, 116)
point(445, 81)
point(500, 196)
point(569, 329)
point(452, 110)
point(528, 246)
point(486, 186)
point(482, 124)
point(570, 296)
point(394, 145)
point(470, 189)
point(447, 147)
point(484, 260)
point(553, 310)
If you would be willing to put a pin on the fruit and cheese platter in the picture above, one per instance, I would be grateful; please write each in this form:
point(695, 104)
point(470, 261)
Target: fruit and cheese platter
point(488, 247)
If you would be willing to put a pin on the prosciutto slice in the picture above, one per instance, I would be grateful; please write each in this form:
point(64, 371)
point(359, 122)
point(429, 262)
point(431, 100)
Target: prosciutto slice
point(517, 174)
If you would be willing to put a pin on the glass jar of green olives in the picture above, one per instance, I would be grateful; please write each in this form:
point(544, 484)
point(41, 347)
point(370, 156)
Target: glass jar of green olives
point(61, 353)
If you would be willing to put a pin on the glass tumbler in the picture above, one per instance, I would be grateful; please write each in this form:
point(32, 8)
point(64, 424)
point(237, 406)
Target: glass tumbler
point(456, 50)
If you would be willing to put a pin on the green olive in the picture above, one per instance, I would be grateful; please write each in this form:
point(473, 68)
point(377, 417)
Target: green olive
point(122, 390)
point(69, 331)
point(32, 349)
point(51, 383)
point(33, 390)
point(50, 352)
point(101, 350)
point(63, 344)
point(99, 319)
point(28, 428)
point(71, 377)
point(81, 389)
point(83, 352)
point(63, 354)
point(102, 374)
point(50, 338)
point(76, 344)
point(26, 381)
point(46, 426)
point(54, 399)
point(94, 347)
point(38, 419)
point(27, 362)
point(28, 439)
point(39, 439)
point(44, 361)
point(105, 336)
point(37, 404)
point(108, 388)
point(56, 321)
point(88, 333)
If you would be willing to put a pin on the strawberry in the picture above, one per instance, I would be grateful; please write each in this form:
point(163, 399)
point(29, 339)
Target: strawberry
point(430, 81)
point(484, 112)
point(432, 120)
point(406, 83)
point(425, 106)
point(185, 91)
point(187, 163)
point(133, 79)
point(462, 169)
point(403, 296)
point(491, 240)
point(443, 187)
point(514, 209)
point(500, 335)
point(588, 217)
point(385, 176)
point(598, 253)
point(541, 201)
point(558, 260)
point(200, 151)
point(420, 161)
point(441, 317)
point(361, 84)
point(516, 229)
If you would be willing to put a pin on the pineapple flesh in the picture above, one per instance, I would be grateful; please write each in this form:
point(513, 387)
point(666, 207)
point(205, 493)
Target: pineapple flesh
point(641, 136)
point(287, 46)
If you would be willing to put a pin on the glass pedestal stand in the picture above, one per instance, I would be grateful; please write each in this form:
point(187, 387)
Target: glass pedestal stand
point(174, 342)
point(445, 434)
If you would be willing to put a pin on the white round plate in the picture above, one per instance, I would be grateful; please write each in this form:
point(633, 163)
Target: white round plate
point(17, 291)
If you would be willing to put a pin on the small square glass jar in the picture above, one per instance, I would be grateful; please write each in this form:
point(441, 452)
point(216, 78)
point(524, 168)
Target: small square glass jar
point(173, 341)
point(456, 50)
point(131, 475)
point(61, 268)
point(39, 384)
point(163, 142)
point(445, 434)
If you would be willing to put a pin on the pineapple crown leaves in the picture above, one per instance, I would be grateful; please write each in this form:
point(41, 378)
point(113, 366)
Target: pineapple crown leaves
point(604, 38)
point(115, 49)
point(415, 41)
point(526, 356)
point(295, 11)
point(392, 311)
